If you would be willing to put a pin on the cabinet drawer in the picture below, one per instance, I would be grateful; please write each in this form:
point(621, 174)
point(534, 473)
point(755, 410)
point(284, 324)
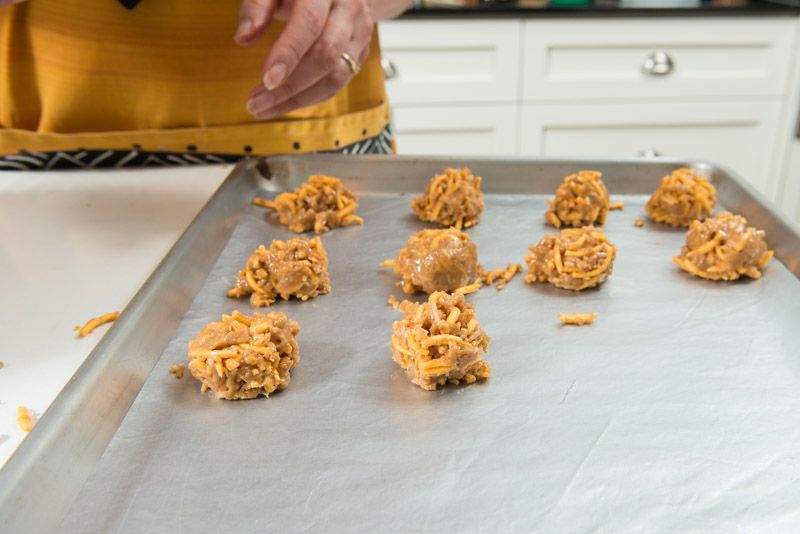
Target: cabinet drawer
point(656, 58)
point(452, 61)
point(739, 135)
point(456, 130)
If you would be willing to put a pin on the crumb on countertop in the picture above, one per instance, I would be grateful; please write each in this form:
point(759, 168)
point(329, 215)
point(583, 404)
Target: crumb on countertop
point(616, 206)
point(577, 319)
point(638, 223)
point(94, 322)
point(393, 302)
point(24, 419)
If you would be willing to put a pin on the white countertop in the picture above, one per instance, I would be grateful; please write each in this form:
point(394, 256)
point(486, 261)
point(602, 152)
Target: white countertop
point(75, 245)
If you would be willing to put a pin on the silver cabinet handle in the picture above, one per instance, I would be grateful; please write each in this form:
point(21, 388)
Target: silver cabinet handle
point(658, 64)
point(649, 153)
point(389, 68)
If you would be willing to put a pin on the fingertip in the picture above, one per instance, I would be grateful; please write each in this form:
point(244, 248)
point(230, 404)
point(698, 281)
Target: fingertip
point(251, 109)
point(243, 31)
point(260, 102)
point(257, 90)
point(262, 114)
point(254, 19)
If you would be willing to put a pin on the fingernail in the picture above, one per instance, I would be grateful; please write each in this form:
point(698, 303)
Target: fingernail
point(245, 27)
point(274, 76)
point(259, 103)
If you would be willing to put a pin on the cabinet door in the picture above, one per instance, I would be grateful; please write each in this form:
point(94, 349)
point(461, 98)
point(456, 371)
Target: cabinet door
point(790, 197)
point(739, 135)
point(456, 130)
point(451, 60)
point(656, 58)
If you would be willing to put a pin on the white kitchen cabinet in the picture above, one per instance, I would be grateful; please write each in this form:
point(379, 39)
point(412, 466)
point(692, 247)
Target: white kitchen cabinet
point(559, 87)
point(452, 61)
point(664, 58)
point(789, 196)
point(735, 134)
point(456, 130)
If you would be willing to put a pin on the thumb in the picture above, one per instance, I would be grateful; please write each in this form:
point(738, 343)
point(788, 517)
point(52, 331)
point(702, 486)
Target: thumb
point(254, 17)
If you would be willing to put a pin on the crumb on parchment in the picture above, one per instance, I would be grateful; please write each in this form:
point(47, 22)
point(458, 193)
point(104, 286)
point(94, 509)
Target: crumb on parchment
point(501, 276)
point(177, 370)
point(577, 319)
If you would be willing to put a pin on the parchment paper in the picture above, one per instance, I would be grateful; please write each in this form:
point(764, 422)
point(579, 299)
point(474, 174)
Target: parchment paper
point(678, 409)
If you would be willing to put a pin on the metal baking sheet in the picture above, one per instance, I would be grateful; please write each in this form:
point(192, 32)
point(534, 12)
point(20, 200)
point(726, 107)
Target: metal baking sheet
point(678, 408)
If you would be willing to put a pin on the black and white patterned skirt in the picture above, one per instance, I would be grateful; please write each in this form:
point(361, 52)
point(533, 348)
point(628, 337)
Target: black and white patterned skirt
point(110, 159)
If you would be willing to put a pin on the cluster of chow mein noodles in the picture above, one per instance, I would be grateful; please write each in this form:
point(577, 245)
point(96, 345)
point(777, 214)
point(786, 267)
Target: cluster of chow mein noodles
point(724, 248)
point(320, 204)
point(436, 260)
point(682, 197)
point(575, 258)
point(580, 201)
point(453, 198)
point(242, 357)
point(440, 342)
point(293, 268)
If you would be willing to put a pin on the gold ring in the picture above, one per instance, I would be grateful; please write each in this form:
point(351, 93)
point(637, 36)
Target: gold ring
point(351, 63)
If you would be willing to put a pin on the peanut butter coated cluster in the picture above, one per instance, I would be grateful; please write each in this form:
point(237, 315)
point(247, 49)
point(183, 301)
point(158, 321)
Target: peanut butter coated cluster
point(294, 268)
point(724, 248)
point(437, 260)
point(581, 200)
point(681, 198)
point(242, 357)
point(440, 342)
point(575, 258)
point(453, 198)
point(320, 204)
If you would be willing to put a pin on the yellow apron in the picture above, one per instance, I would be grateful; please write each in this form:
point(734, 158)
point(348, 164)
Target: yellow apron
point(163, 77)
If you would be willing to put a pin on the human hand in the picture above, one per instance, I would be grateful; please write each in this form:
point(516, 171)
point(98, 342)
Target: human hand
point(306, 64)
